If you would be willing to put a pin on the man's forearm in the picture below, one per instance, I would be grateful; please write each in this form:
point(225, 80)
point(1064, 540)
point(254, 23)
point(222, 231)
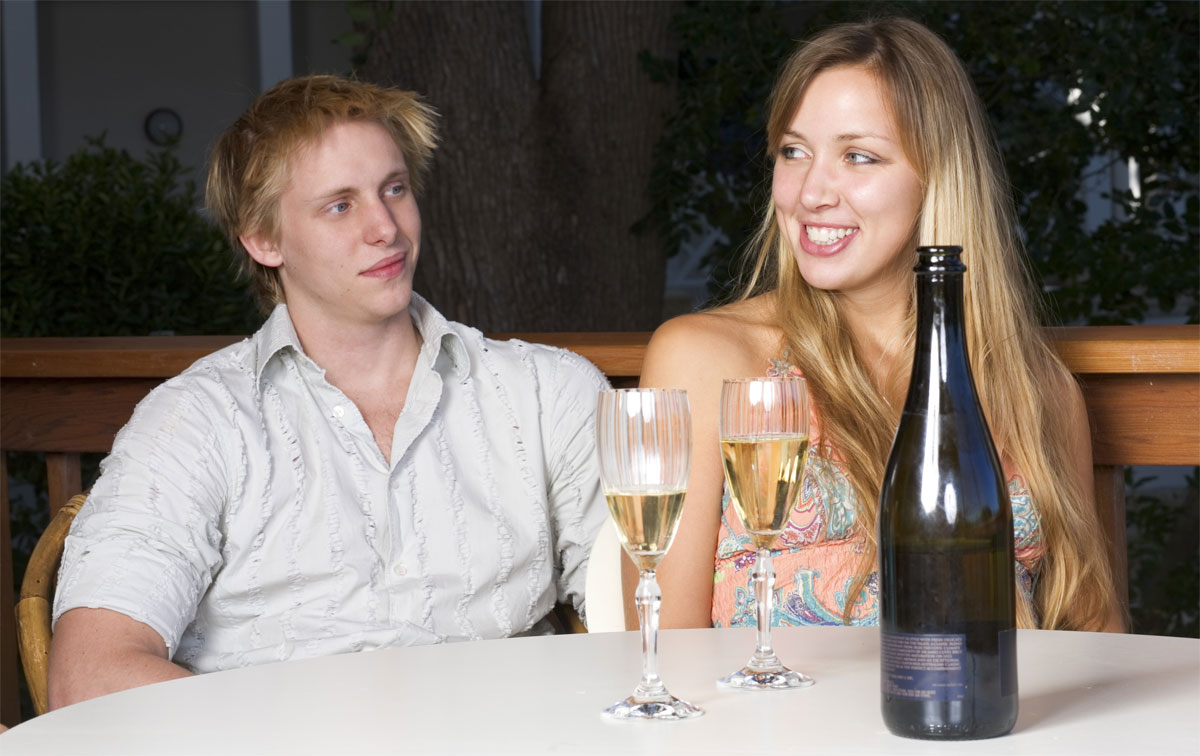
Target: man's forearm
point(108, 674)
point(95, 652)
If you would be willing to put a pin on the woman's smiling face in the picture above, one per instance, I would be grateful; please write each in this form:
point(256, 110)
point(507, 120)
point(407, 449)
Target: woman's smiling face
point(846, 196)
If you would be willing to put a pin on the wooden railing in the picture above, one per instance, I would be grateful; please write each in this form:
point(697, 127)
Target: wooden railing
point(67, 396)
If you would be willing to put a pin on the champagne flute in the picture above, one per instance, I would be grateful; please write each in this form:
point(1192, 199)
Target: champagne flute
point(644, 439)
point(764, 445)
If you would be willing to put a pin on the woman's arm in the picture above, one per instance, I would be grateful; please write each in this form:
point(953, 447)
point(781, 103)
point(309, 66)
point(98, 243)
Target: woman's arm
point(694, 352)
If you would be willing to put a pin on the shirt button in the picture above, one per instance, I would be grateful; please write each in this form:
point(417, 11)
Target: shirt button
point(395, 485)
point(338, 411)
point(400, 570)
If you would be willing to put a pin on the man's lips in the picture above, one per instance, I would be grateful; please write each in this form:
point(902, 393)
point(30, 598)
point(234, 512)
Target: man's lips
point(387, 268)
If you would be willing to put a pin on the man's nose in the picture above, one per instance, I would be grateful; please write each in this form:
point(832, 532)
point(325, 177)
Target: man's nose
point(381, 227)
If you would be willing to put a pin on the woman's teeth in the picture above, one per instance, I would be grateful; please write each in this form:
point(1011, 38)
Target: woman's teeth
point(827, 235)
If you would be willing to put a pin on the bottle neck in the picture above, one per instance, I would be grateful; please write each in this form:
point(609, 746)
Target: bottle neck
point(940, 354)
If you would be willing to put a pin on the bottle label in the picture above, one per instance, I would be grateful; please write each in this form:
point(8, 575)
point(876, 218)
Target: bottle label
point(924, 667)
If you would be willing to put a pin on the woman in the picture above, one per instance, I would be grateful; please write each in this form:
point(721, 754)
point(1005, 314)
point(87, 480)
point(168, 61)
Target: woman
point(879, 144)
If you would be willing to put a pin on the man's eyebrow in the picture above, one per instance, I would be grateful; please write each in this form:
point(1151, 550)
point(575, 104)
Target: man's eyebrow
point(398, 174)
point(334, 193)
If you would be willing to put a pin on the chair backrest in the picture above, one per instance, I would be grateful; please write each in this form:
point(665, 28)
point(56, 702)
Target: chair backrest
point(37, 601)
point(605, 610)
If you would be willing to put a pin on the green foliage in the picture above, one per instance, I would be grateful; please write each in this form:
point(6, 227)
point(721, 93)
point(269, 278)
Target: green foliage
point(1164, 560)
point(368, 18)
point(1133, 64)
point(108, 245)
point(709, 166)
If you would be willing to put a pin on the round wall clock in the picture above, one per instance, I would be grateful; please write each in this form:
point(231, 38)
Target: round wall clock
point(163, 127)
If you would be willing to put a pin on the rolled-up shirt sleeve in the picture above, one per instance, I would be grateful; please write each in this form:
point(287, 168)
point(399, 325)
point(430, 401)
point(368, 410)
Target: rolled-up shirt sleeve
point(577, 505)
point(147, 542)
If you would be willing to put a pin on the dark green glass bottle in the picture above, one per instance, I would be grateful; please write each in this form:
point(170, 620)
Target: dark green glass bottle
point(947, 611)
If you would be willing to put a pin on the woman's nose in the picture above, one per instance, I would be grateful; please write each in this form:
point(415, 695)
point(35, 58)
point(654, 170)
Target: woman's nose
point(819, 188)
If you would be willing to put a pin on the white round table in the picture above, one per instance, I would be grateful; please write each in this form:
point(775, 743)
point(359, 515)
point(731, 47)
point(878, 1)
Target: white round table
point(1080, 693)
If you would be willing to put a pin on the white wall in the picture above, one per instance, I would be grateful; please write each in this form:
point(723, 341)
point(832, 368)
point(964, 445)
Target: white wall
point(315, 24)
point(106, 65)
point(102, 66)
point(22, 117)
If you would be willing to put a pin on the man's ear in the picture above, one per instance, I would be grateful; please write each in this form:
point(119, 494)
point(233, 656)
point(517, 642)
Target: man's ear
point(264, 251)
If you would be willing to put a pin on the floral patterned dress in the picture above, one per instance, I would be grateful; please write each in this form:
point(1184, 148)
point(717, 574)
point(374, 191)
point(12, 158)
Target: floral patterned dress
point(817, 556)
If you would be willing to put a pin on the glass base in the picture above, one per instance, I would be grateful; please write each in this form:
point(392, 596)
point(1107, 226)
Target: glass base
point(659, 707)
point(780, 678)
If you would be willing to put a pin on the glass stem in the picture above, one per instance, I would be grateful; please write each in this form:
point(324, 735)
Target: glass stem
point(649, 601)
point(764, 591)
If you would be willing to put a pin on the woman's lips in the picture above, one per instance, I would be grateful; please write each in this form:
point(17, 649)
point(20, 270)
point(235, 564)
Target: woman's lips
point(825, 250)
point(389, 268)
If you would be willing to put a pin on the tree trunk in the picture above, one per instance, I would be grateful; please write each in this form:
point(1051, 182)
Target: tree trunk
point(527, 212)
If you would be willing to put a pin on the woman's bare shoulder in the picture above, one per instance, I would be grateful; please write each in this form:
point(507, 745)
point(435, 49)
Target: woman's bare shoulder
point(732, 339)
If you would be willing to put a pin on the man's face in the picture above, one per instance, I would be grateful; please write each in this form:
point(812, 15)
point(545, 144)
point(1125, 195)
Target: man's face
point(349, 229)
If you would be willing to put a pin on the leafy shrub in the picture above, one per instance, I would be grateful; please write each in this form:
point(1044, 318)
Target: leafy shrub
point(1164, 561)
point(105, 244)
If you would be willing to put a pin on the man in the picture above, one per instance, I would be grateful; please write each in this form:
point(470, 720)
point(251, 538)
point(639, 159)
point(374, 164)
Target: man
point(358, 474)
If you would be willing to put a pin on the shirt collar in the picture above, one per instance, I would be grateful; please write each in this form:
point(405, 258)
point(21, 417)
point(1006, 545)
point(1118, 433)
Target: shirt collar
point(276, 335)
point(438, 339)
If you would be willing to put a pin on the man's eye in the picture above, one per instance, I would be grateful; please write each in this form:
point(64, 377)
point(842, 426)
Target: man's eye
point(339, 208)
point(396, 190)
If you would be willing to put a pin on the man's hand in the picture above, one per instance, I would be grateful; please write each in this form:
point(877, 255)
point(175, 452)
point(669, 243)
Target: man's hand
point(97, 651)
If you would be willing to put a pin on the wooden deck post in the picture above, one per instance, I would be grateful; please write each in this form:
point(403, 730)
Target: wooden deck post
point(10, 691)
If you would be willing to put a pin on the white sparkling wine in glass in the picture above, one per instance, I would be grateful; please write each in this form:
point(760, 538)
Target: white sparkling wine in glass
point(763, 428)
point(764, 474)
point(644, 445)
point(646, 522)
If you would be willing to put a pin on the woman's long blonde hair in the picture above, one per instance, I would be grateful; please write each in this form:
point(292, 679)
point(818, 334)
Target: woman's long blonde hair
point(1018, 375)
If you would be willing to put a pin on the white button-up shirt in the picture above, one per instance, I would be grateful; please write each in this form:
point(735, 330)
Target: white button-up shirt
point(247, 514)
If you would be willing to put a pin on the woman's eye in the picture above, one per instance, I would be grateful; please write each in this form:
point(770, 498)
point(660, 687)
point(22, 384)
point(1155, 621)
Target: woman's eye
point(395, 190)
point(858, 158)
point(791, 153)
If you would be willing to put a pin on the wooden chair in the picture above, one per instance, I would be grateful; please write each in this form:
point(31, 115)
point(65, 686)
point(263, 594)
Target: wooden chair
point(37, 600)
